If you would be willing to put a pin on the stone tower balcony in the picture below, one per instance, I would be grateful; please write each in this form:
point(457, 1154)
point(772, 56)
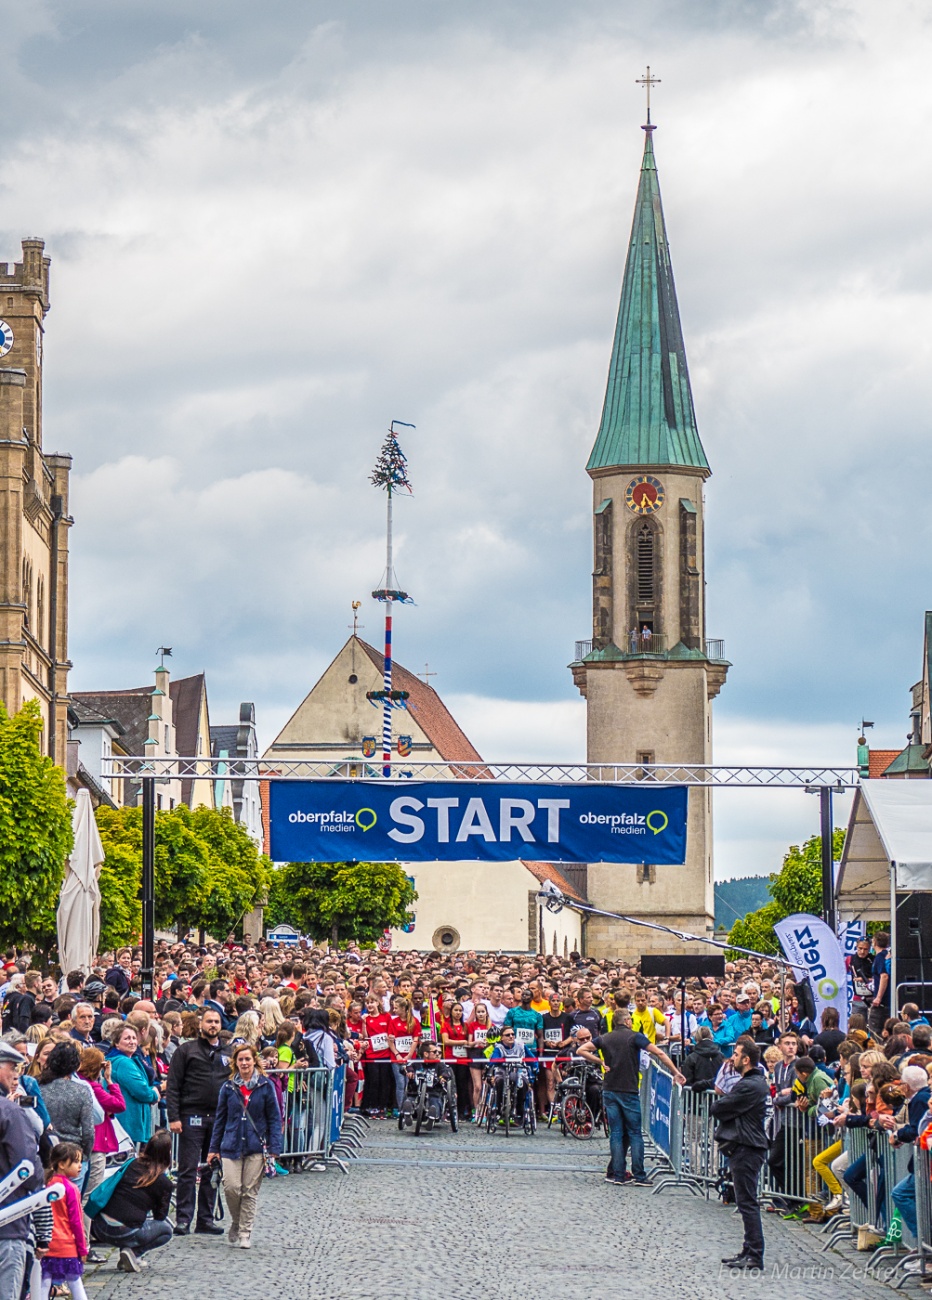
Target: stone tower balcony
point(645, 657)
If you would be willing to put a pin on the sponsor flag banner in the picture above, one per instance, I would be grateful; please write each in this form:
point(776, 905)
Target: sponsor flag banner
point(661, 1108)
point(814, 951)
point(475, 821)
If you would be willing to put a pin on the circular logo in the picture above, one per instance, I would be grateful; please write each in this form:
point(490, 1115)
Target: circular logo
point(660, 823)
point(644, 495)
point(828, 989)
point(6, 338)
point(366, 819)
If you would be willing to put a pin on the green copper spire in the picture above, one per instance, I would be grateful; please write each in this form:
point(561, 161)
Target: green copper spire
point(648, 416)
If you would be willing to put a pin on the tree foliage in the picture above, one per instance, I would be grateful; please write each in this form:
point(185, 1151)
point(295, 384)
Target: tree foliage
point(35, 831)
point(796, 887)
point(208, 872)
point(333, 900)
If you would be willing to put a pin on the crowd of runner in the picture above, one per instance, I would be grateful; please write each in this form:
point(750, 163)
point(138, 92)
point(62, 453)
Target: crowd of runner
point(377, 1013)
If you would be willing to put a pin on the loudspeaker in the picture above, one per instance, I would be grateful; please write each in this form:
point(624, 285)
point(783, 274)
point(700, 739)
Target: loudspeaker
point(914, 923)
point(683, 967)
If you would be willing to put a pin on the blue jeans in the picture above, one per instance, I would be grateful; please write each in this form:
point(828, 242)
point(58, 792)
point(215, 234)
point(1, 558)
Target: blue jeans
point(623, 1112)
point(904, 1198)
point(148, 1236)
point(12, 1268)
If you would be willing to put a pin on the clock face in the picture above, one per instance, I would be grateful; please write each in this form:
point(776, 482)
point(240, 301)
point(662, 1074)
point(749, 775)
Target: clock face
point(6, 338)
point(644, 495)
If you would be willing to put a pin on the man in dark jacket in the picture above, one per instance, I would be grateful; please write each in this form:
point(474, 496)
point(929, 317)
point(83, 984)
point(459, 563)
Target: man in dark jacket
point(703, 1062)
point(197, 1071)
point(741, 1137)
point(17, 1143)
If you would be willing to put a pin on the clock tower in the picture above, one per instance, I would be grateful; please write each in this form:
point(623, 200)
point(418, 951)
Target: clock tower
point(650, 673)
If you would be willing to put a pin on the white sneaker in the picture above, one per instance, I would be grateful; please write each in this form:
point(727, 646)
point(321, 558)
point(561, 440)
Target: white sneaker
point(834, 1204)
point(128, 1261)
point(244, 1242)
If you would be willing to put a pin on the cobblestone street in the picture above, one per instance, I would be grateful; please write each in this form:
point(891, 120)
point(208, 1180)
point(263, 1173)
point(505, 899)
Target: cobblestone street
point(461, 1215)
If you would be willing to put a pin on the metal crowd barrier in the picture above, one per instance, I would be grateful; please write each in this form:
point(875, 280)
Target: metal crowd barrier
point(315, 1127)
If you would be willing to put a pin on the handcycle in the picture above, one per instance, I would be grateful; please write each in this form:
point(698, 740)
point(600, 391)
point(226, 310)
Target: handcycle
point(514, 1076)
point(429, 1099)
point(574, 1103)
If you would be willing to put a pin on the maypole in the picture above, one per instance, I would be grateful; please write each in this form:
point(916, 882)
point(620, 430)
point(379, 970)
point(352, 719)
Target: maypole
point(391, 473)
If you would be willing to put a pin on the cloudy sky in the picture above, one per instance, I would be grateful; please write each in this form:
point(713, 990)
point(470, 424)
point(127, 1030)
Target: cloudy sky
point(276, 227)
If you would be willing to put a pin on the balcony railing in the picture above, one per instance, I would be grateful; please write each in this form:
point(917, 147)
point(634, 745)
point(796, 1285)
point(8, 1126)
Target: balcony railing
point(652, 643)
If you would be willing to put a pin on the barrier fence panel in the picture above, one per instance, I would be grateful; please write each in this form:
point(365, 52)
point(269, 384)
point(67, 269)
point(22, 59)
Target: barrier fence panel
point(923, 1167)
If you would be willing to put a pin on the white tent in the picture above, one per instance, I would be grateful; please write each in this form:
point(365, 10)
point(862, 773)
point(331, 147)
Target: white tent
point(888, 850)
point(79, 904)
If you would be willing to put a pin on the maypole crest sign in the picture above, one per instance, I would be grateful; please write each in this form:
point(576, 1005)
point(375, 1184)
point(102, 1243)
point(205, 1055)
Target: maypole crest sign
point(475, 821)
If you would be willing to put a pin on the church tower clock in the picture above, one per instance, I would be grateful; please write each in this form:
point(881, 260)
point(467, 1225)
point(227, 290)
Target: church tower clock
point(650, 672)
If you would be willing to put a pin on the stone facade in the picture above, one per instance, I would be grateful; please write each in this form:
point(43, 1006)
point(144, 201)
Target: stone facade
point(34, 519)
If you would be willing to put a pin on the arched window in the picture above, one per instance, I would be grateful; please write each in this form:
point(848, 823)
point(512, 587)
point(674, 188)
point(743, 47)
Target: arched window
point(645, 564)
point(40, 609)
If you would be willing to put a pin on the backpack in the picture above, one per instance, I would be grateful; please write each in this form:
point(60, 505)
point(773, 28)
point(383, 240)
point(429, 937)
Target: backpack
point(99, 1198)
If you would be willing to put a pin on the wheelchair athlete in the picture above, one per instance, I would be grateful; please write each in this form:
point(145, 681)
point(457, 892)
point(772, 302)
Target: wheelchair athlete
point(507, 1050)
point(438, 1090)
point(583, 1074)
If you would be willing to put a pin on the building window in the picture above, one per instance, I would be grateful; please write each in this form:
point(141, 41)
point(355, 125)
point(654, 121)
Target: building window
point(645, 562)
point(40, 609)
point(167, 742)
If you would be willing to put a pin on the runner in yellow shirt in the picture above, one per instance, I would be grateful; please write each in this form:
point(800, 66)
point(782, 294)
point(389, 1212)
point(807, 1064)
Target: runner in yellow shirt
point(645, 1019)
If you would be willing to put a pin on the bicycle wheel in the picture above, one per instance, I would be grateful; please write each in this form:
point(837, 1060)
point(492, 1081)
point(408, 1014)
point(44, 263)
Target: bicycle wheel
point(491, 1114)
point(530, 1117)
point(452, 1102)
point(420, 1113)
point(578, 1117)
point(506, 1107)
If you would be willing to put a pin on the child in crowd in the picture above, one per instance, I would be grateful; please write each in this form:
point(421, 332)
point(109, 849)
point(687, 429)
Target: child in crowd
point(68, 1248)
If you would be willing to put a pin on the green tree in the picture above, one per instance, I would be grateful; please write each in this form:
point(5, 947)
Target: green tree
point(352, 900)
point(796, 887)
point(35, 832)
point(239, 873)
point(208, 872)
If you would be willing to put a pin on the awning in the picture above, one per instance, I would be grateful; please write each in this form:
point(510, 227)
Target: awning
point(890, 827)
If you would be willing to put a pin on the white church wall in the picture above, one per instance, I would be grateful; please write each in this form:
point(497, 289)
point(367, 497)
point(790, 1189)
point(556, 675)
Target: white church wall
point(485, 902)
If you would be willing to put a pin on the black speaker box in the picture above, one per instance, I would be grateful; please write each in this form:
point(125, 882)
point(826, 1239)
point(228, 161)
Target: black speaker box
point(683, 967)
point(914, 926)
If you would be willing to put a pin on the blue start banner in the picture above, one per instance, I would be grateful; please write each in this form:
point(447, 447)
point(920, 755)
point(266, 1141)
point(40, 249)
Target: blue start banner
point(475, 821)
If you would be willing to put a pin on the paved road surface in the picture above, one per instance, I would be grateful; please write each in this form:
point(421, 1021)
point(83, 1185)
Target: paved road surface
point(460, 1216)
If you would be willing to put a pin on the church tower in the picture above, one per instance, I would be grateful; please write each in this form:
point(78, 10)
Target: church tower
point(34, 518)
point(649, 674)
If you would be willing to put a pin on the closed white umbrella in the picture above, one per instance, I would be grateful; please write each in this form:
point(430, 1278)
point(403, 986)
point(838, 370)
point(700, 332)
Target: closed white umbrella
point(79, 904)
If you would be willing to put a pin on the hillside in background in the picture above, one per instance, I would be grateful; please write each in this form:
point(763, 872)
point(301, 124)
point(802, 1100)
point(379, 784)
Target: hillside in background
point(735, 898)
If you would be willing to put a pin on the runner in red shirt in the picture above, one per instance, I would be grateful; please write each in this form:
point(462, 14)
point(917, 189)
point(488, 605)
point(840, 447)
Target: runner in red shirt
point(456, 1051)
point(378, 1095)
point(404, 1036)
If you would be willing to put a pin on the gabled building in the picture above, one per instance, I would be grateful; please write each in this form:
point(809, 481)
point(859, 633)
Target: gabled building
point(166, 720)
point(236, 745)
point(477, 905)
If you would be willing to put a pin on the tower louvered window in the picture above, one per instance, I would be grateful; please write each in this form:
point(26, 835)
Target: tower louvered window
point(645, 563)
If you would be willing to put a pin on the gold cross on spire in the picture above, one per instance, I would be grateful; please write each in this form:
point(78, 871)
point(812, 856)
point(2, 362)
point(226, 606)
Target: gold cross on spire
point(647, 81)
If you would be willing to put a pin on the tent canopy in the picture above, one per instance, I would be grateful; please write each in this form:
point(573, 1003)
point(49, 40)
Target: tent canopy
point(890, 829)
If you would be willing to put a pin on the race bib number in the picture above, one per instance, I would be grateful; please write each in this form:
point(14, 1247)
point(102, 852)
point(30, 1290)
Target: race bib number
point(403, 1044)
point(863, 989)
point(480, 1034)
point(430, 1078)
point(524, 1035)
point(459, 1049)
point(378, 1042)
point(553, 1036)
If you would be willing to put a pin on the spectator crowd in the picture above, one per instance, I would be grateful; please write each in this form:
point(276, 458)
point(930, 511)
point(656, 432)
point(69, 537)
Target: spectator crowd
point(90, 1067)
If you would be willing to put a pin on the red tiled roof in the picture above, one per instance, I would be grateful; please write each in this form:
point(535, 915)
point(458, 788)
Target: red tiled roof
point(879, 760)
point(430, 713)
